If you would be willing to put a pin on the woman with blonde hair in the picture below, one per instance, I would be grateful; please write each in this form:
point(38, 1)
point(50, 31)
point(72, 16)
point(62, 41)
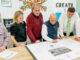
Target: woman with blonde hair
point(18, 30)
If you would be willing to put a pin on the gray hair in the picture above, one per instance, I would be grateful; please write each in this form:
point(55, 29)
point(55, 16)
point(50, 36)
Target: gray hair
point(36, 4)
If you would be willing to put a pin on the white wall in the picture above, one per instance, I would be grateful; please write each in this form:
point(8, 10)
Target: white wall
point(8, 12)
point(78, 6)
point(51, 5)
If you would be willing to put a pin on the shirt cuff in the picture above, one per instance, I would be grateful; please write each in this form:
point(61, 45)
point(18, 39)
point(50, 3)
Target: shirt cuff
point(78, 35)
point(50, 40)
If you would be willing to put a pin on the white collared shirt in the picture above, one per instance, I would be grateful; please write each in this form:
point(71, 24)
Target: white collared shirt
point(44, 33)
point(75, 23)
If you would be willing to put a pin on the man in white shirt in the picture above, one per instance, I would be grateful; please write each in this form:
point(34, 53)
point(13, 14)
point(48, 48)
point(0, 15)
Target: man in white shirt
point(50, 29)
point(68, 22)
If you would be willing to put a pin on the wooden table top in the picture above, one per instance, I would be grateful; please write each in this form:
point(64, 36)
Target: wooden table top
point(23, 54)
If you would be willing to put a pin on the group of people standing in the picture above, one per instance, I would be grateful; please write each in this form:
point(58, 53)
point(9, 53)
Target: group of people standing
point(38, 31)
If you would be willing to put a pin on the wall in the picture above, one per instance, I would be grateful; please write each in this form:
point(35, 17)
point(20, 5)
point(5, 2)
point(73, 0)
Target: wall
point(78, 6)
point(51, 5)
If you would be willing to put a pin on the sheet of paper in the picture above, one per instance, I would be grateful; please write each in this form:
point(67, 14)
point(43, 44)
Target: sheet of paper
point(7, 54)
point(68, 42)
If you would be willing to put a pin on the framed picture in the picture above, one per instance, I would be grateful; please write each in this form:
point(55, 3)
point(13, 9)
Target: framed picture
point(6, 3)
point(7, 23)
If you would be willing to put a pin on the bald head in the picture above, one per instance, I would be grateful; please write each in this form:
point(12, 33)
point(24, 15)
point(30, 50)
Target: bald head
point(53, 18)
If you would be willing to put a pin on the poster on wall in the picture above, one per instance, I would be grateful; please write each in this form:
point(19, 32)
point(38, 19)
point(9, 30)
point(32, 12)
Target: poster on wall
point(6, 3)
point(7, 23)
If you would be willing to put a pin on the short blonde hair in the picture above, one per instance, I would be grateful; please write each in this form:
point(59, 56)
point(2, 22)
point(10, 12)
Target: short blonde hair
point(17, 14)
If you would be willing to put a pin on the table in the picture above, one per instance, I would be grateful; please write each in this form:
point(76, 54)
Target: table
point(23, 53)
